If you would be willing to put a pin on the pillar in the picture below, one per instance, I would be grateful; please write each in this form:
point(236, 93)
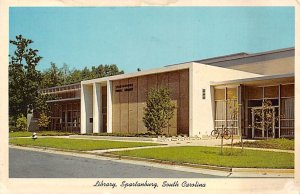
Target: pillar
point(96, 107)
point(109, 106)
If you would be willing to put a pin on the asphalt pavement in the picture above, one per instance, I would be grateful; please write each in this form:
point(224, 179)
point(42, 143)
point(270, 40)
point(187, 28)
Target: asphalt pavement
point(34, 164)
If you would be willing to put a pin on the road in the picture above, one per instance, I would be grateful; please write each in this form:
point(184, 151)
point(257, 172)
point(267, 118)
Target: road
point(34, 164)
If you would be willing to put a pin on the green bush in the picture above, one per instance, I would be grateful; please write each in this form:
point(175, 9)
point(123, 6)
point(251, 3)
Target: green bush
point(159, 110)
point(21, 123)
point(43, 121)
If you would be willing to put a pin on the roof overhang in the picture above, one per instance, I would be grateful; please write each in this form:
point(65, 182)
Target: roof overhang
point(258, 81)
point(63, 100)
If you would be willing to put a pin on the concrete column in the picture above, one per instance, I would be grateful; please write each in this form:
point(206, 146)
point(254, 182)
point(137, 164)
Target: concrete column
point(109, 106)
point(82, 111)
point(96, 107)
point(86, 109)
point(191, 102)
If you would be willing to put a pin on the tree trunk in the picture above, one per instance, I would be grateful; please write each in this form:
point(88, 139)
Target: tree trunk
point(222, 135)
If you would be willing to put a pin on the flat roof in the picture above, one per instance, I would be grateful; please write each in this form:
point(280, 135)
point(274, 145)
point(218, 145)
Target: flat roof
point(240, 58)
point(245, 55)
point(62, 87)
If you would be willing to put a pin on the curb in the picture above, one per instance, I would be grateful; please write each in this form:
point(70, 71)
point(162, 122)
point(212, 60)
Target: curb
point(262, 170)
point(50, 149)
point(114, 138)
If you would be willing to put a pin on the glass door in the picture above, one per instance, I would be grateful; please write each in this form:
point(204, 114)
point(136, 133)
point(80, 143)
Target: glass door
point(263, 122)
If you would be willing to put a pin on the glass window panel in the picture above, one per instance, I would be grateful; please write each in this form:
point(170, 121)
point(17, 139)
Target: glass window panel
point(231, 93)
point(254, 103)
point(219, 94)
point(287, 108)
point(220, 110)
point(232, 109)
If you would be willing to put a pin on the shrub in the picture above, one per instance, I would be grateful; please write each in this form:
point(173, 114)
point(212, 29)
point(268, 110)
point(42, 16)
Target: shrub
point(159, 110)
point(21, 123)
point(43, 121)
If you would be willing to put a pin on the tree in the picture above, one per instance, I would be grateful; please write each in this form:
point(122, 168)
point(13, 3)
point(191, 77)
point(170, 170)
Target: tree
point(52, 77)
point(41, 105)
point(232, 108)
point(85, 74)
point(74, 76)
point(159, 110)
point(265, 118)
point(43, 121)
point(24, 79)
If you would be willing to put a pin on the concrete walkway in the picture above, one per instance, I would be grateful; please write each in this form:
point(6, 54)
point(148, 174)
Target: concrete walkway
point(211, 142)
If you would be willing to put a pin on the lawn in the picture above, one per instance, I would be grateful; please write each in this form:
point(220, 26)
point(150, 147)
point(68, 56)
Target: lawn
point(211, 156)
point(77, 144)
point(282, 144)
point(39, 133)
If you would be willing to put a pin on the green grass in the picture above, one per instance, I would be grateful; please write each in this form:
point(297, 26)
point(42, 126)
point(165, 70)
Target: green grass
point(212, 156)
point(282, 144)
point(39, 133)
point(77, 144)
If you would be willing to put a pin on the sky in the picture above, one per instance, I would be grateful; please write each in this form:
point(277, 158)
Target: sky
point(149, 37)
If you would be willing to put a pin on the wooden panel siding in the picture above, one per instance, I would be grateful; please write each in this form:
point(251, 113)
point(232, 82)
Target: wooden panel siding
point(174, 87)
point(128, 106)
point(142, 97)
point(124, 108)
point(183, 127)
point(133, 107)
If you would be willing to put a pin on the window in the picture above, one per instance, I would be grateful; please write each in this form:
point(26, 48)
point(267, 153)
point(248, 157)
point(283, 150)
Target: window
point(91, 120)
point(203, 94)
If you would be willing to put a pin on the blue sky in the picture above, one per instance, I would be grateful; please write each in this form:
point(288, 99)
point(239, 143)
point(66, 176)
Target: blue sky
point(149, 37)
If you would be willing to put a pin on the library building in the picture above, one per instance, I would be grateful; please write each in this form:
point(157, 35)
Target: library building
point(243, 92)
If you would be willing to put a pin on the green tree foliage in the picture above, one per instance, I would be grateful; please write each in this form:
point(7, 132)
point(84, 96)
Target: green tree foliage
point(21, 123)
point(52, 77)
point(43, 121)
point(55, 76)
point(75, 76)
point(41, 105)
point(159, 110)
point(24, 79)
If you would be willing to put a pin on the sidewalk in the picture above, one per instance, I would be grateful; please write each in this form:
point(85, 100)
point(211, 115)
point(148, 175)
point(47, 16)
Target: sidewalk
point(193, 142)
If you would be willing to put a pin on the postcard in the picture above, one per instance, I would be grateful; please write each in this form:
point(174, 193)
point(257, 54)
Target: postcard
point(151, 96)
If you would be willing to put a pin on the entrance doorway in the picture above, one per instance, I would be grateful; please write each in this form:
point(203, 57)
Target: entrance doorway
point(263, 122)
point(104, 123)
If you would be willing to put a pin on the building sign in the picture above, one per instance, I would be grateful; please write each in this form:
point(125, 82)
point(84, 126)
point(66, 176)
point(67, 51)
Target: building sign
point(124, 88)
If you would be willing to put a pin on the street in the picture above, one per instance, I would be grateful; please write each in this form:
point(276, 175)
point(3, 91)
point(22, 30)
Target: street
point(34, 164)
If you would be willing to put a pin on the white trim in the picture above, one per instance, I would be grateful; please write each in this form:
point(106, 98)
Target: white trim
point(191, 101)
